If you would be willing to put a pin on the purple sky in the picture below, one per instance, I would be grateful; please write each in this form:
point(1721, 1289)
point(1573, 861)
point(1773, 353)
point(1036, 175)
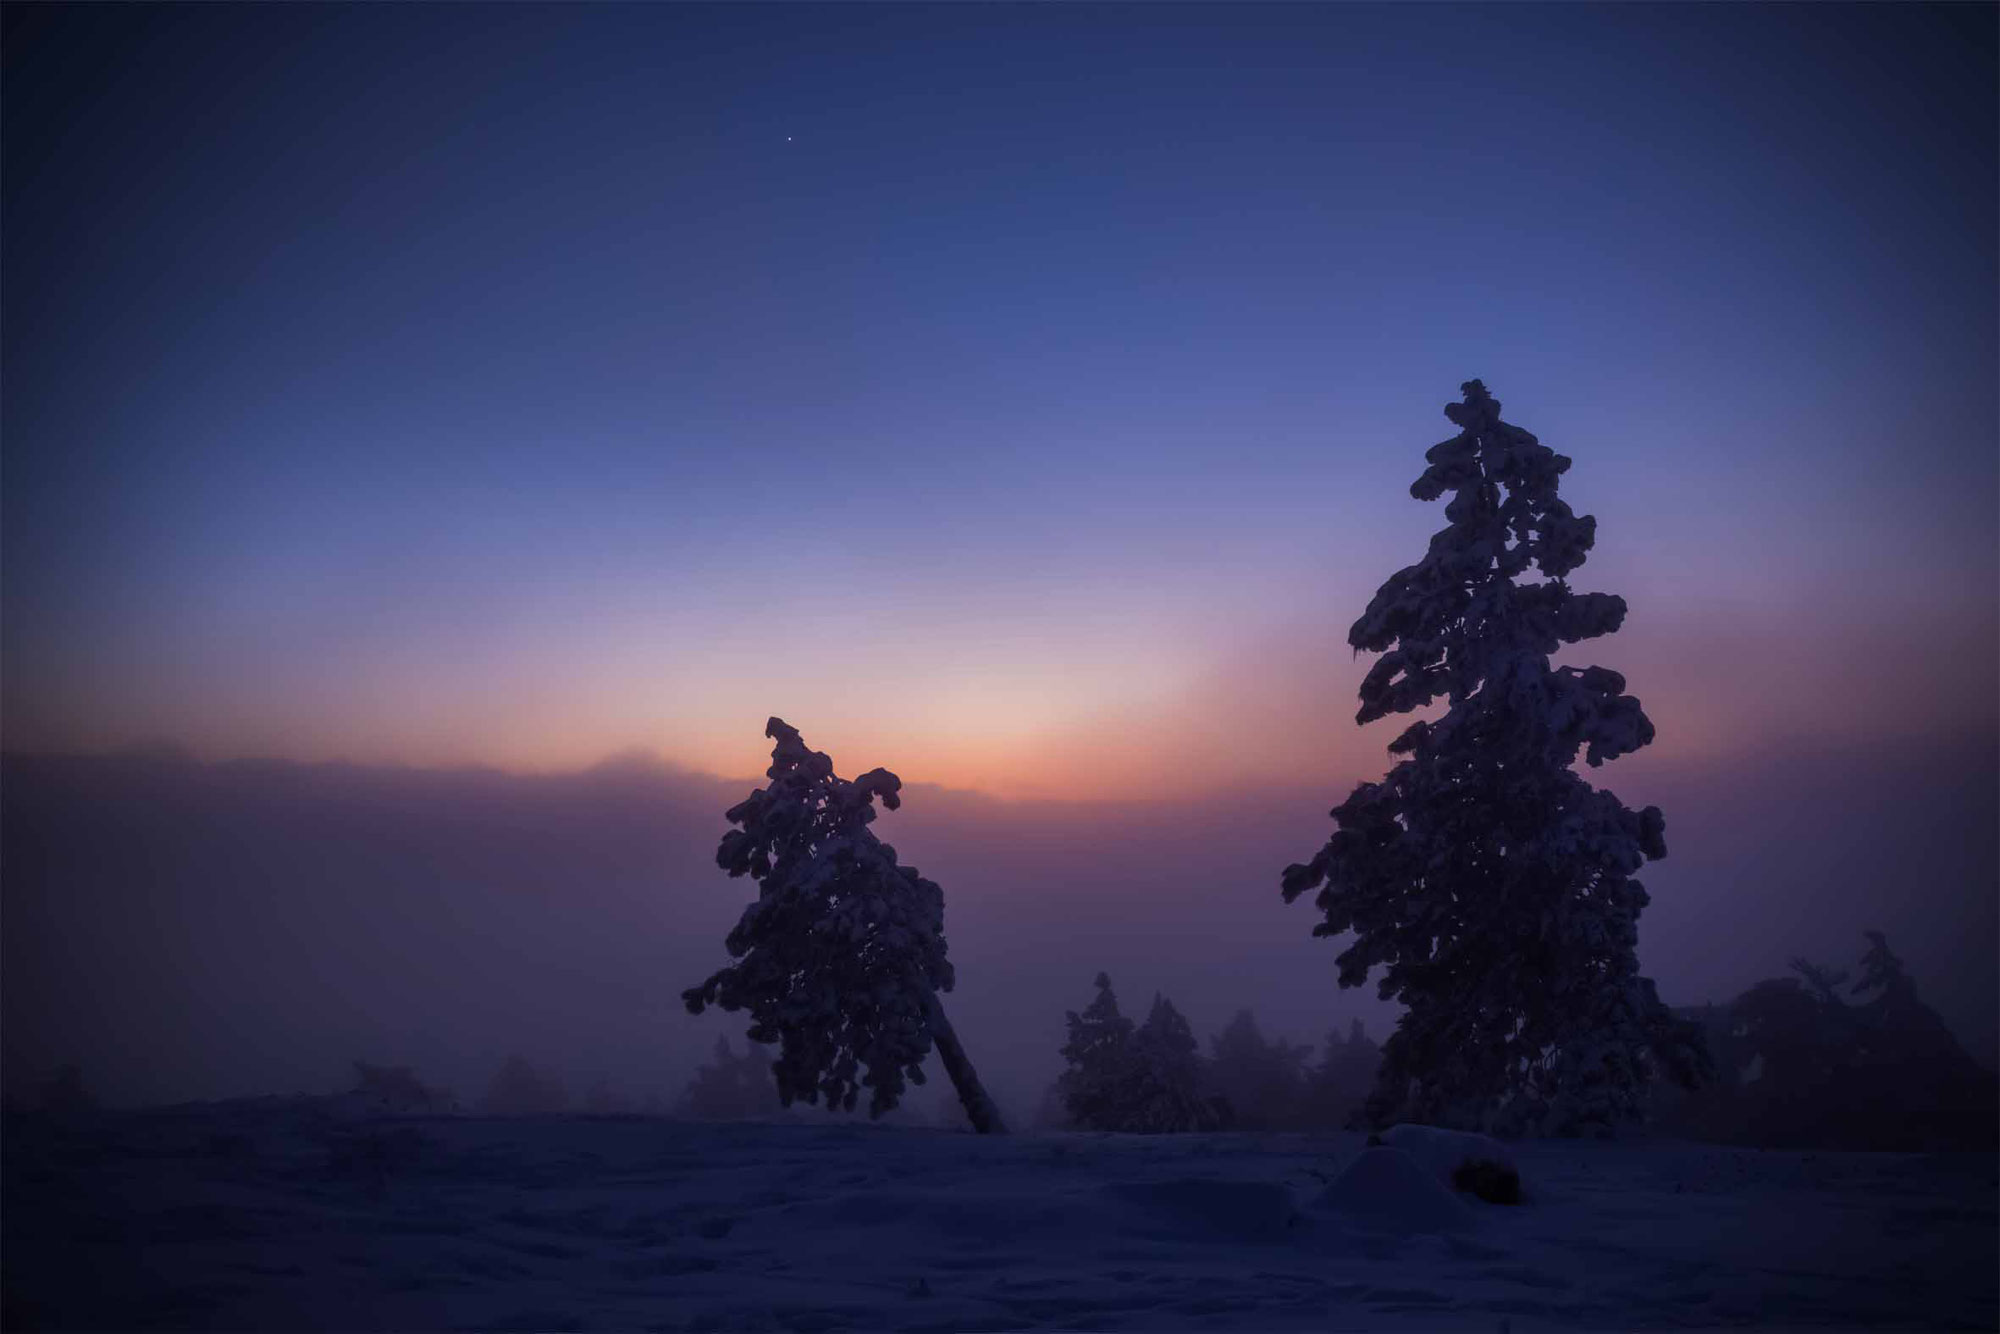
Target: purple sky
point(1023, 398)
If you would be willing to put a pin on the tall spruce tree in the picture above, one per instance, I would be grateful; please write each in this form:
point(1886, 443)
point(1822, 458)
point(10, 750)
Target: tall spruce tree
point(841, 957)
point(1483, 875)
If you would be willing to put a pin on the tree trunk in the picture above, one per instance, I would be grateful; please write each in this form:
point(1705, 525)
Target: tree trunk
point(979, 1108)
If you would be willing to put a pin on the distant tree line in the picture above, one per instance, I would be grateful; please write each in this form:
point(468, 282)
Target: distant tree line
point(1152, 1078)
point(1802, 1063)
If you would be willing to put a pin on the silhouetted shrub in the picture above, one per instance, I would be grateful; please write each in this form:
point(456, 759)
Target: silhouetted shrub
point(518, 1090)
point(731, 1087)
point(396, 1089)
point(1494, 1183)
point(604, 1100)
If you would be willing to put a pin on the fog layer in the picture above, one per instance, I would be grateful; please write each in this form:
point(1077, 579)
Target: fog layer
point(189, 930)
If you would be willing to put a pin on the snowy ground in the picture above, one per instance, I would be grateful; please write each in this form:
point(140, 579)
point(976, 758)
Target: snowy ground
point(282, 1215)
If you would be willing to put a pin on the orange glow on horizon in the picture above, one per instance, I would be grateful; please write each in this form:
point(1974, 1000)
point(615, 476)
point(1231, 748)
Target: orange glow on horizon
point(1276, 710)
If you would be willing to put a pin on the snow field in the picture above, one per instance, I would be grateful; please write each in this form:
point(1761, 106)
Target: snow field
point(282, 1214)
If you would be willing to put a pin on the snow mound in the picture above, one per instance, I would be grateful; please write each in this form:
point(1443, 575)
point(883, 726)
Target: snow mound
point(1387, 1188)
point(1256, 1212)
point(1460, 1160)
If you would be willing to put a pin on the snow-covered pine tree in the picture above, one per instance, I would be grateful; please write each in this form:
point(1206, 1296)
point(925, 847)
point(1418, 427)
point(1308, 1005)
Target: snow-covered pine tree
point(1489, 881)
point(1096, 1083)
point(1168, 1093)
point(841, 958)
point(1147, 1080)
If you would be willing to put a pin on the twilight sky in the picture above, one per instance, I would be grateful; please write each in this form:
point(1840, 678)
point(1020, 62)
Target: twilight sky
point(1020, 397)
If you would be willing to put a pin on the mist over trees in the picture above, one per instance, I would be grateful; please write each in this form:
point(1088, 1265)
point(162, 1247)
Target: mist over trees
point(100, 849)
point(1490, 883)
point(1337, 1088)
point(1261, 1081)
point(603, 1098)
point(841, 957)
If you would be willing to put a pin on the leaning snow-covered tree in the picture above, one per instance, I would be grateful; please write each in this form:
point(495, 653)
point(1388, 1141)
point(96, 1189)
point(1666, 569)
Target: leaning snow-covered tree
point(1488, 880)
point(841, 958)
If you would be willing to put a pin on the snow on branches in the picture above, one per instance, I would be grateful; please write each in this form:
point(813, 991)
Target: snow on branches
point(841, 957)
point(1489, 882)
